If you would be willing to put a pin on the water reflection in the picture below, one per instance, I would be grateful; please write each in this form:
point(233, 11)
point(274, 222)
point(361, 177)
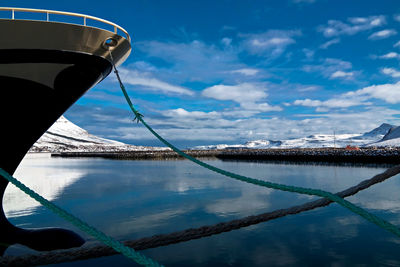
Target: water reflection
point(45, 180)
point(17, 204)
point(133, 199)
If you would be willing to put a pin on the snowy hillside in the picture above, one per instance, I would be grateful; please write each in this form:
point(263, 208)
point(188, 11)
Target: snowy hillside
point(66, 136)
point(384, 135)
point(380, 131)
point(393, 133)
point(392, 137)
point(395, 142)
point(63, 135)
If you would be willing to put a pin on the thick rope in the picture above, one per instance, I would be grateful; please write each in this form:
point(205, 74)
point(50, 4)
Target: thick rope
point(295, 189)
point(109, 241)
point(83, 253)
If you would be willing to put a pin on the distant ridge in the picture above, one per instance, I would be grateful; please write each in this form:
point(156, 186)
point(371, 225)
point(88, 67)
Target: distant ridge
point(384, 135)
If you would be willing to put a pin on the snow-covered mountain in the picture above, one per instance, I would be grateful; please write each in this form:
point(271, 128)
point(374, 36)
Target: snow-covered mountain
point(380, 131)
point(66, 136)
point(392, 137)
point(63, 135)
point(393, 133)
point(384, 135)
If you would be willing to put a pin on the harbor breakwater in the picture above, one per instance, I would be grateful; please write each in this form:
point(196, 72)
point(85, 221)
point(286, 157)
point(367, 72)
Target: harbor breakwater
point(363, 155)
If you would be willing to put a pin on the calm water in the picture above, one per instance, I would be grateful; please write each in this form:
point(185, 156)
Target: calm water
point(134, 199)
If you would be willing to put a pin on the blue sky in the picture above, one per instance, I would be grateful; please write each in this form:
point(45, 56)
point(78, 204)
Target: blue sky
point(208, 72)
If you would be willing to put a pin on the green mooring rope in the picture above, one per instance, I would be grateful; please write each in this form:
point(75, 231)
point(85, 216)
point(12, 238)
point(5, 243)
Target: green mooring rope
point(301, 190)
point(116, 245)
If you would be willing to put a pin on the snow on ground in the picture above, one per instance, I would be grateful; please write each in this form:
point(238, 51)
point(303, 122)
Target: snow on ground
point(66, 136)
point(395, 142)
point(63, 135)
point(376, 137)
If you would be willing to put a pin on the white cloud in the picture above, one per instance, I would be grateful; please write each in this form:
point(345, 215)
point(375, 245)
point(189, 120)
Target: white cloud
point(330, 65)
point(280, 128)
point(308, 103)
point(226, 41)
point(342, 75)
point(397, 17)
point(397, 44)
point(193, 61)
point(358, 20)
point(333, 68)
point(239, 113)
point(329, 43)
point(240, 93)
point(246, 71)
point(390, 55)
point(249, 96)
point(389, 93)
point(382, 34)
point(259, 107)
point(182, 113)
point(143, 66)
point(355, 25)
point(276, 41)
point(133, 77)
point(391, 72)
point(271, 43)
point(331, 103)
point(197, 61)
point(308, 88)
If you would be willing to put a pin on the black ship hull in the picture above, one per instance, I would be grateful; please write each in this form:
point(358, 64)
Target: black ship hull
point(29, 108)
point(45, 67)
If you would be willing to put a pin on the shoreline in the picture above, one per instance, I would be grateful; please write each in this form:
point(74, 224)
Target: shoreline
point(339, 155)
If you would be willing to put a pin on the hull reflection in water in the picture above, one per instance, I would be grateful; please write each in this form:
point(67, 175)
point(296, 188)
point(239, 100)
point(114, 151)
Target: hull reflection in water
point(133, 199)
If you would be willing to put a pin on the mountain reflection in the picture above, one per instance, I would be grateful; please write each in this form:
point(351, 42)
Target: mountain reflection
point(47, 181)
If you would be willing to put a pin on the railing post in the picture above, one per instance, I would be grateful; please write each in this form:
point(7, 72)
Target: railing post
point(12, 14)
point(115, 29)
point(48, 16)
point(84, 21)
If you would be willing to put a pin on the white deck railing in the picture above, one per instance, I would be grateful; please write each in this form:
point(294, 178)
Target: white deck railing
point(48, 12)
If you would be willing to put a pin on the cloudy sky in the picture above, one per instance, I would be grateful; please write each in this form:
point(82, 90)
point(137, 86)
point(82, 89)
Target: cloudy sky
point(225, 71)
